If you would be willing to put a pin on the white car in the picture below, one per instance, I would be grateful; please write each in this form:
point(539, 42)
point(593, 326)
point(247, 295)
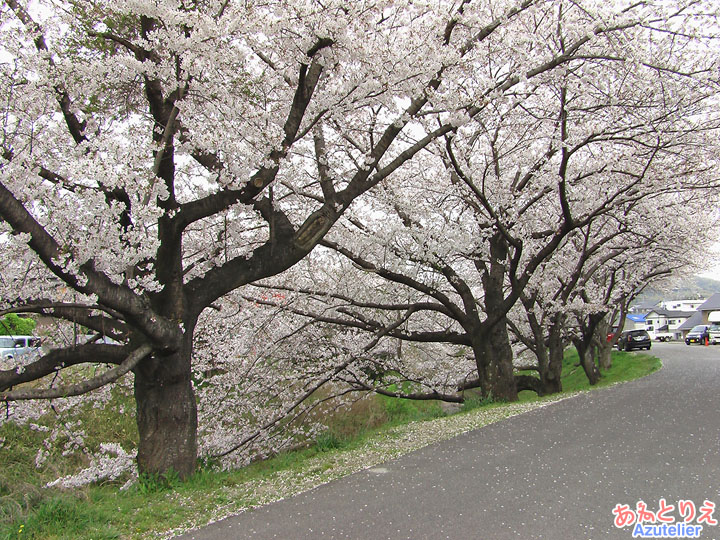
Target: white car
point(714, 334)
point(12, 347)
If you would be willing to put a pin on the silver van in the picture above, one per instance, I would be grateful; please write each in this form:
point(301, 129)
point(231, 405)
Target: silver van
point(13, 346)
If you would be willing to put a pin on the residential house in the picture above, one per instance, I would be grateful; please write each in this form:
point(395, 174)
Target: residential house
point(681, 305)
point(707, 313)
point(634, 321)
point(642, 308)
point(665, 321)
point(710, 310)
point(697, 318)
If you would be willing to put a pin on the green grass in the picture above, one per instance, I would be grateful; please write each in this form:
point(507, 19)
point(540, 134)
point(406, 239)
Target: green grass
point(28, 511)
point(625, 367)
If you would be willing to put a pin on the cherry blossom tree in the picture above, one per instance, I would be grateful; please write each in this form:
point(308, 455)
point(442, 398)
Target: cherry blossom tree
point(657, 250)
point(463, 234)
point(157, 156)
point(597, 274)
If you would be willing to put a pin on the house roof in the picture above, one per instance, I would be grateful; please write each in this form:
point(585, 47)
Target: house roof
point(692, 321)
point(711, 303)
point(644, 306)
point(671, 314)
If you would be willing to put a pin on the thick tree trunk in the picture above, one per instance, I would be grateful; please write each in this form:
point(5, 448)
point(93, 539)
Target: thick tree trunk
point(539, 348)
point(604, 347)
point(587, 361)
point(550, 358)
point(166, 414)
point(494, 359)
point(551, 377)
point(548, 351)
point(491, 342)
point(604, 355)
point(585, 344)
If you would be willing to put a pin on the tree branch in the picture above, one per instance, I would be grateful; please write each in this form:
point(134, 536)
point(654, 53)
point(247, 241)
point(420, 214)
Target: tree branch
point(84, 387)
point(58, 359)
point(455, 312)
point(117, 297)
point(76, 312)
point(207, 206)
point(75, 126)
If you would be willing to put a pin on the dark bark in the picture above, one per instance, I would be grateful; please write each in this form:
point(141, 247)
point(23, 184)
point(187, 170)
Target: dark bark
point(585, 346)
point(166, 406)
point(83, 387)
point(493, 354)
point(551, 377)
point(166, 413)
point(588, 364)
point(104, 324)
point(548, 349)
point(603, 346)
point(494, 360)
point(57, 359)
point(528, 382)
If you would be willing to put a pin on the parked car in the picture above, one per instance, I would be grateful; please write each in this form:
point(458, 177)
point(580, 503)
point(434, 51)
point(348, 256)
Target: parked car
point(13, 346)
point(698, 334)
point(634, 339)
point(664, 336)
point(714, 334)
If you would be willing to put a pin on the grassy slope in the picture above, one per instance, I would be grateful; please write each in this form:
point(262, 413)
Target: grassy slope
point(626, 366)
point(353, 442)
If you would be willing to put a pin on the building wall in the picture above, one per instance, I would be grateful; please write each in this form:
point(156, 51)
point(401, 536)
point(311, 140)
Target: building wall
point(655, 321)
point(681, 305)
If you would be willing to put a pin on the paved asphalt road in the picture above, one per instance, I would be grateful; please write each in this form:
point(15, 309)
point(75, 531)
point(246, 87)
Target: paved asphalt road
point(554, 473)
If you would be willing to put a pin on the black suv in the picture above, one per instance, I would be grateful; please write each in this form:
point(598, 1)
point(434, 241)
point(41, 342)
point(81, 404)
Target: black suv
point(698, 334)
point(634, 339)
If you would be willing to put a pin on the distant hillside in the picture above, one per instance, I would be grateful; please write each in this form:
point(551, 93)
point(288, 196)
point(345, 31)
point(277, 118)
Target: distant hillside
point(686, 288)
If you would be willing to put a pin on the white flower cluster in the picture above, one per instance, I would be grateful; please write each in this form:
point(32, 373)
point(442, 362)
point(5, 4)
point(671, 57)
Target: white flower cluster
point(111, 462)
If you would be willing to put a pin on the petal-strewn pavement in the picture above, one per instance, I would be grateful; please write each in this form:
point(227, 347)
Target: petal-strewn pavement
point(556, 472)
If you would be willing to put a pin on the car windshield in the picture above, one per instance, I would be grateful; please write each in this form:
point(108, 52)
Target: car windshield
point(714, 328)
point(699, 328)
point(636, 333)
point(7, 343)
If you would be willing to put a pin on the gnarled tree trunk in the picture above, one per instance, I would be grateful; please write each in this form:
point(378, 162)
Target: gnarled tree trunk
point(166, 413)
point(587, 360)
point(491, 342)
point(551, 377)
point(494, 359)
point(604, 347)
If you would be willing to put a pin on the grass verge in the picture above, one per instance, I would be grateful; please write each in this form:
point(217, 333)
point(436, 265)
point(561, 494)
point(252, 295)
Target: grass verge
point(625, 367)
point(376, 431)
